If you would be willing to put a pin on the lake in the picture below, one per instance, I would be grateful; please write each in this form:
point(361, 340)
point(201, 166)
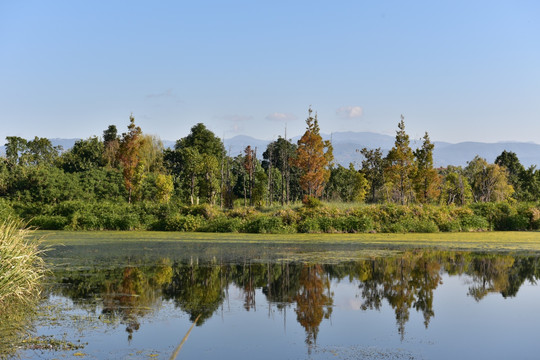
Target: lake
point(138, 298)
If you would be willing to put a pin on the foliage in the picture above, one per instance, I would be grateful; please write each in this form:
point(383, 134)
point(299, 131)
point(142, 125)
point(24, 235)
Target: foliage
point(425, 178)
point(313, 156)
point(489, 182)
point(399, 168)
point(346, 185)
point(183, 223)
point(129, 156)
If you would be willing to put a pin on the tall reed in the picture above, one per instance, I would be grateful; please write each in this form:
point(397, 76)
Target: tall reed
point(21, 264)
point(21, 271)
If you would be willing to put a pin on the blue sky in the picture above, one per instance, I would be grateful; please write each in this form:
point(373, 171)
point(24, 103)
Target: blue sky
point(461, 70)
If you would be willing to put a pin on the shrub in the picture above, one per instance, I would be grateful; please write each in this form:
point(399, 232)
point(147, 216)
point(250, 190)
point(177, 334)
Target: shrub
point(450, 226)
point(353, 224)
point(309, 225)
point(513, 223)
point(6, 211)
point(84, 221)
point(533, 214)
point(288, 216)
point(266, 224)
point(224, 225)
point(311, 202)
point(408, 225)
point(206, 211)
point(474, 223)
point(183, 223)
point(49, 222)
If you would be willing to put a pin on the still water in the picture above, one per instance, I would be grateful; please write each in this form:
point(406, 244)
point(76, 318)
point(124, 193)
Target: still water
point(138, 302)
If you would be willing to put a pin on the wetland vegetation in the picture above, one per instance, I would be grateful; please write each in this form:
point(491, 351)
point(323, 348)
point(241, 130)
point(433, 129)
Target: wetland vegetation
point(21, 272)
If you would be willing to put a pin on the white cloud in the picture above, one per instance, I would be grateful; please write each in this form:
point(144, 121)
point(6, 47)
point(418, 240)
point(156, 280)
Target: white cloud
point(349, 112)
point(280, 117)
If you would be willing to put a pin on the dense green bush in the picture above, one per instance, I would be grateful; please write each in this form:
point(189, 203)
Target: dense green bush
point(309, 225)
point(146, 215)
point(263, 224)
point(180, 222)
point(474, 223)
point(450, 226)
point(224, 225)
point(353, 224)
point(49, 222)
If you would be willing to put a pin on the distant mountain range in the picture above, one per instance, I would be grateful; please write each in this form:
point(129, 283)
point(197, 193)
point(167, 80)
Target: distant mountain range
point(347, 143)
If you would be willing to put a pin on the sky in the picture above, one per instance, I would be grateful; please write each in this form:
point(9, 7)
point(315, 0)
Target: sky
point(460, 70)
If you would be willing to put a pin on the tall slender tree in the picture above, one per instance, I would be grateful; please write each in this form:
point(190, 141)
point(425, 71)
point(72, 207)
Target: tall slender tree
point(129, 157)
point(314, 157)
point(400, 166)
point(373, 170)
point(426, 180)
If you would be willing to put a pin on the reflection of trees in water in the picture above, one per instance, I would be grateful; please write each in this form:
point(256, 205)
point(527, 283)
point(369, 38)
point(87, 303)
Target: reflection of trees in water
point(123, 293)
point(489, 274)
point(405, 282)
point(197, 289)
point(313, 301)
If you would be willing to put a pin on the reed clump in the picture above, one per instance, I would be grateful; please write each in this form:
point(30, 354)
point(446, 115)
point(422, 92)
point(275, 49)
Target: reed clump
point(21, 271)
point(21, 264)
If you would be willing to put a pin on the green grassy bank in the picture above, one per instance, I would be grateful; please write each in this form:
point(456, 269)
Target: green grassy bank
point(487, 241)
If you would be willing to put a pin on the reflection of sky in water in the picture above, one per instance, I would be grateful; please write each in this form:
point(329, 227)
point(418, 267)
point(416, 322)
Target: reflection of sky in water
point(461, 328)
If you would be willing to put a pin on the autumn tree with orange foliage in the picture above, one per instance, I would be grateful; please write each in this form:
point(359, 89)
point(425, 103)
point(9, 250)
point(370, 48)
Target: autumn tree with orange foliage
point(313, 158)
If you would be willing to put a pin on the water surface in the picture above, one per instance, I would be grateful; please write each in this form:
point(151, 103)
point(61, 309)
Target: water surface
point(137, 301)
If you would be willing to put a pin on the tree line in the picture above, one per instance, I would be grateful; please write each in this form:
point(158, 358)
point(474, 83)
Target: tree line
point(134, 166)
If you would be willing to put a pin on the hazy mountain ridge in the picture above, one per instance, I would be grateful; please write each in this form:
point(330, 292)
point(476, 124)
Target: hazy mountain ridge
point(347, 143)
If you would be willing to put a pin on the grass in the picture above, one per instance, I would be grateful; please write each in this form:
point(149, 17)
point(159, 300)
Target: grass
point(21, 272)
point(474, 241)
point(22, 266)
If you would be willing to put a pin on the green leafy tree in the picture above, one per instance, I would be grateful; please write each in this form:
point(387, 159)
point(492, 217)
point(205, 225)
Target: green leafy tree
point(346, 184)
point(489, 182)
point(400, 167)
point(151, 152)
point(84, 155)
point(165, 188)
point(111, 145)
point(129, 155)
point(196, 162)
point(280, 154)
point(191, 170)
point(250, 163)
point(15, 147)
point(510, 162)
point(202, 140)
point(455, 187)
point(373, 171)
point(426, 180)
point(529, 181)
point(210, 173)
